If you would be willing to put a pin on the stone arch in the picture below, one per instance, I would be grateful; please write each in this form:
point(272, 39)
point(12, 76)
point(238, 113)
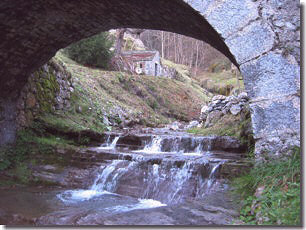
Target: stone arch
point(260, 37)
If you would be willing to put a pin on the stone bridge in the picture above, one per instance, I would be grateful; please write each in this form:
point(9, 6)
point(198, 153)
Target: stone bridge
point(261, 37)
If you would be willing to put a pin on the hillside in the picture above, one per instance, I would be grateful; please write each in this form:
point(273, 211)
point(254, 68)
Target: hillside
point(114, 98)
point(219, 78)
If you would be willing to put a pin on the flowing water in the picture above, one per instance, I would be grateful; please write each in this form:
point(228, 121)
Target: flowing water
point(165, 173)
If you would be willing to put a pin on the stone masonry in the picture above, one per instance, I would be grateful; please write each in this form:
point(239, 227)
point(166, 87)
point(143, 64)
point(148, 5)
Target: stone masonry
point(47, 90)
point(221, 105)
point(261, 37)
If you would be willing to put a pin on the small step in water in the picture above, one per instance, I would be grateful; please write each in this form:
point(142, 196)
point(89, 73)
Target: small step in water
point(186, 145)
point(110, 144)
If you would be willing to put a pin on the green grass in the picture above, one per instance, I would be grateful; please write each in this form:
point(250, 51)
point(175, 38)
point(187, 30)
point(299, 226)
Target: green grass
point(224, 82)
point(150, 100)
point(33, 146)
point(238, 126)
point(228, 125)
point(279, 203)
point(183, 72)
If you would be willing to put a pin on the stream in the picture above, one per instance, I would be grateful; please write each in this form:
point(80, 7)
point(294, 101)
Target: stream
point(155, 177)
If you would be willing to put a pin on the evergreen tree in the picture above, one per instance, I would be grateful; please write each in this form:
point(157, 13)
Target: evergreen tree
point(93, 51)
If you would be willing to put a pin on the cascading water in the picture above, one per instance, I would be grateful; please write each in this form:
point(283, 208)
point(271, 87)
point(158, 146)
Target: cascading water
point(154, 146)
point(212, 175)
point(146, 178)
point(184, 145)
point(109, 144)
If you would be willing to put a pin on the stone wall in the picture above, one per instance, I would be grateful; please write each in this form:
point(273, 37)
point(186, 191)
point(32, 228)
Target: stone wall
point(47, 90)
point(221, 105)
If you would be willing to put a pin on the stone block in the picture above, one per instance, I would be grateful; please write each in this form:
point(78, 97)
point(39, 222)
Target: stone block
point(235, 109)
point(272, 118)
point(252, 41)
point(229, 16)
point(270, 76)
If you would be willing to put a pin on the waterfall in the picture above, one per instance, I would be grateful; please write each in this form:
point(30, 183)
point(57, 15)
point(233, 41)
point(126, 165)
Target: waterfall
point(185, 173)
point(185, 145)
point(180, 177)
point(212, 175)
point(108, 178)
point(108, 144)
point(154, 146)
point(165, 182)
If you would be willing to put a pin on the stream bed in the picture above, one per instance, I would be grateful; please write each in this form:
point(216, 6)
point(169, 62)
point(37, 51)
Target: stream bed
point(159, 178)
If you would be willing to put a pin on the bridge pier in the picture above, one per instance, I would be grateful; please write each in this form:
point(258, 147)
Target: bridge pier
point(8, 124)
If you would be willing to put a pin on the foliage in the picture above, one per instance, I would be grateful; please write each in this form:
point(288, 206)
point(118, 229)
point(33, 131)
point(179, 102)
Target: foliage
point(47, 86)
point(93, 51)
point(230, 125)
point(220, 65)
point(279, 202)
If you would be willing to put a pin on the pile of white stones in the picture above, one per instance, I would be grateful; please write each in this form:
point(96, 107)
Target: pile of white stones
point(221, 105)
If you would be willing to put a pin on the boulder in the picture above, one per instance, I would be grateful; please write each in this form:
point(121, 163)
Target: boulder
point(243, 95)
point(192, 124)
point(218, 97)
point(235, 109)
point(175, 126)
point(204, 109)
point(212, 118)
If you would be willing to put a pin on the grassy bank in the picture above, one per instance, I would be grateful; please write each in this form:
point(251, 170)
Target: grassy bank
point(238, 126)
point(34, 146)
point(146, 100)
point(271, 192)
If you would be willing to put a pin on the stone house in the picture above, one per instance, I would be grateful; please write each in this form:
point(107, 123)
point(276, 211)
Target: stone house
point(143, 62)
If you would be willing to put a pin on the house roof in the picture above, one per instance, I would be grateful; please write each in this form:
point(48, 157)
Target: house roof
point(140, 55)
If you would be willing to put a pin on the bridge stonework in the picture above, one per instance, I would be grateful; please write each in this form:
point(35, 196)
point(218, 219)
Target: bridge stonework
point(261, 37)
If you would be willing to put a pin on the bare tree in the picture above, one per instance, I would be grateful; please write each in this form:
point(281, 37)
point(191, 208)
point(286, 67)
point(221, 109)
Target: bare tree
point(119, 40)
point(181, 49)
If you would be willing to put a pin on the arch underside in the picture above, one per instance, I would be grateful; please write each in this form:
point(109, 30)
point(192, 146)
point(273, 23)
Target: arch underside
point(34, 30)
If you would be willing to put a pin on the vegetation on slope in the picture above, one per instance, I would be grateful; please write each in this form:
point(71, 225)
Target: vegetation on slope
point(271, 192)
point(239, 126)
point(134, 99)
point(34, 146)
point(219, 78)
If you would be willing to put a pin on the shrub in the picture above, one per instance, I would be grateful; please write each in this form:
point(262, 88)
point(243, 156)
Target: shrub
point(93, 51)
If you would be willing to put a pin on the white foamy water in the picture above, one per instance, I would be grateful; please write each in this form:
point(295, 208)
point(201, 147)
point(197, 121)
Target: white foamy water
point(193, 154)
point(154, 146)
point(212, 175)
point(109, 145)
point(72, 196)
point(142, 204)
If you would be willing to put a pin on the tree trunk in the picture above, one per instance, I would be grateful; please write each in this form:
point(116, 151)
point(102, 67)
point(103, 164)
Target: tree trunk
point(162, 44)
point(197, 57)
point(118, 47)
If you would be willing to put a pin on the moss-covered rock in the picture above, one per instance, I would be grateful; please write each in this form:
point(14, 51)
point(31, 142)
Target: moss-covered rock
point(47, 89)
